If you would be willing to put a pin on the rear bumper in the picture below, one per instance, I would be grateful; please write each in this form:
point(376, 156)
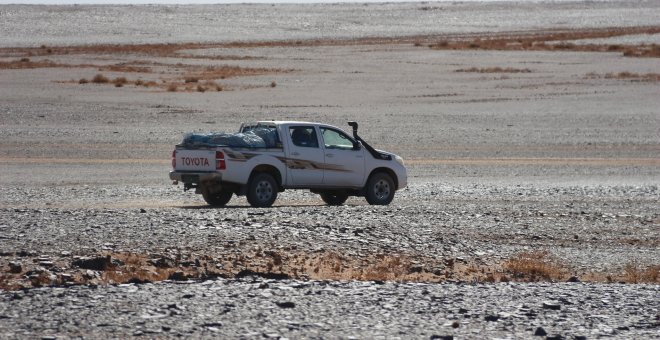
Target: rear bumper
point(195, 177)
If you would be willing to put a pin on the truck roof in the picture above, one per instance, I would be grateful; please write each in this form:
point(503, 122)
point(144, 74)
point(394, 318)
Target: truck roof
point(283, 122)
point(287, 122)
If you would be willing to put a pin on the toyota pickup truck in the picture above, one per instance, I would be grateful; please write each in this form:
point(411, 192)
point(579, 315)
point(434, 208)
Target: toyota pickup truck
point(301, 155)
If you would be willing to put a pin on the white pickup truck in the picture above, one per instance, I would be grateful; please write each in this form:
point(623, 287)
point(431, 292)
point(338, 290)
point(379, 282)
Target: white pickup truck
point(302, 155)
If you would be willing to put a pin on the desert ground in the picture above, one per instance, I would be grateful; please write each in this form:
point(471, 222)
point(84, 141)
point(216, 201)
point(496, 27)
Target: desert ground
point(533, 154)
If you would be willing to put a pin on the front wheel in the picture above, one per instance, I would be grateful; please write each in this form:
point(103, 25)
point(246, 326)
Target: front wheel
point(380, 189)
point(334, 198)
point(262, 191)
point(216, 199)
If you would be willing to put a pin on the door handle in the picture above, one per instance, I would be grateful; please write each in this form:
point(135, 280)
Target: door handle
point(295, 154)
point(329, 155)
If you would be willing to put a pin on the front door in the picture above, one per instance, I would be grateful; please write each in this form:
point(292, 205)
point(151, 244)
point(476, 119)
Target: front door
point(344, 160)
point(305, 158)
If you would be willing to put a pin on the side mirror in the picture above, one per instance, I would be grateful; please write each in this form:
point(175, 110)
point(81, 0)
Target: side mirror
point(357, 145)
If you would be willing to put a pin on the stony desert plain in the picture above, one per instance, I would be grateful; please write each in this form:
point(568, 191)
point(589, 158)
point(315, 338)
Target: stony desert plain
point(531, 133)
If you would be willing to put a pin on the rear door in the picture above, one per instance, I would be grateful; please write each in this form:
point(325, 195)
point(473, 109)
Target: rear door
point(344, 162)
point(305, 156)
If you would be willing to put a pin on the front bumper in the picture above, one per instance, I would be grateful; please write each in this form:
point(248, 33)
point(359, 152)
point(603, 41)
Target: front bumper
point(403, 181)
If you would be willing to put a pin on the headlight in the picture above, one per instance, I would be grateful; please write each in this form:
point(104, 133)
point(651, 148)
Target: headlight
point(399, 160)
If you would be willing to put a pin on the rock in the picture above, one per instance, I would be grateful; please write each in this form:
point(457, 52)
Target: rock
point(573, 279)
point(24, 253)
point(491, 318)
point(274, 276)
point(551, 305)
point(554, 337)
point(162, 262)
point(90, 274)
point(178, 276)
point(285, 304)
point(455, 324)
point(136, 280)
point(46, 264)
point(442, 337)
point(99, 263)
point(15, 267)
point(540, 332)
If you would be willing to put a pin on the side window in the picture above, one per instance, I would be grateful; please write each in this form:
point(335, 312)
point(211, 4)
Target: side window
point(334, 139)
point(304, 136)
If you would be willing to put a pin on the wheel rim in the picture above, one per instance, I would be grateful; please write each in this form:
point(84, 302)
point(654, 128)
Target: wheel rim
point(264, 191)
point(382, 189)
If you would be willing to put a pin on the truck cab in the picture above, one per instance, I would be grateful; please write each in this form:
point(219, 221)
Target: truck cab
point(294, 155)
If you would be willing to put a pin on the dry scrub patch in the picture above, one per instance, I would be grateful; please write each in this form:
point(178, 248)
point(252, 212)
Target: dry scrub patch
point(125, 68)
point(192, 78)
point(535, 266)
point(226, 71)
point(237, 261)
point(549, 39)
point(636, 273)
point(649, 77)
point(100, 79)
point(26, 63)
point(494, 70)
point(182, 72)
point(552, 40)
point(625, 75)
point(134, 268)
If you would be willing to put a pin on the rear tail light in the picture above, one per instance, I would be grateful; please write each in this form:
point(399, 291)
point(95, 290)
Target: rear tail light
point(174, 159)
point(220, 161)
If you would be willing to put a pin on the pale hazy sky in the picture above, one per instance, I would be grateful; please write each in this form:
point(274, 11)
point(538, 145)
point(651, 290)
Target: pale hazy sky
point(51, 2)
point(180, 1)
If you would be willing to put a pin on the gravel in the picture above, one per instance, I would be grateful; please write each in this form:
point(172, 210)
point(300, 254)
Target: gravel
point(255, 308)
point(592, 228)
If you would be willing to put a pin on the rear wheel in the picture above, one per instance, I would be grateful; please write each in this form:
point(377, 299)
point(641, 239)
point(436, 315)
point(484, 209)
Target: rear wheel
point(380, 189)
point(262, 191)
point(218, 198)
point(333, 198)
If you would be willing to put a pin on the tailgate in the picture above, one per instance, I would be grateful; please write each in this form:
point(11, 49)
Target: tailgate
point(195, 160)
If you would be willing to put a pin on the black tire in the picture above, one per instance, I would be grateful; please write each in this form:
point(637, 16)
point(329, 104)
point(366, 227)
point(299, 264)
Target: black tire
point(217, 199)
point(262, 190)
point(380, 189)
point(333, 198)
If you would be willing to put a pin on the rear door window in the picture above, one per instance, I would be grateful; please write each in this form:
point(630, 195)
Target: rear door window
point(304, 136)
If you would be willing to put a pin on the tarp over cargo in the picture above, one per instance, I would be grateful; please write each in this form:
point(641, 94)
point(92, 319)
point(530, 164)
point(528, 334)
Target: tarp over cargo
point(259, 137)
